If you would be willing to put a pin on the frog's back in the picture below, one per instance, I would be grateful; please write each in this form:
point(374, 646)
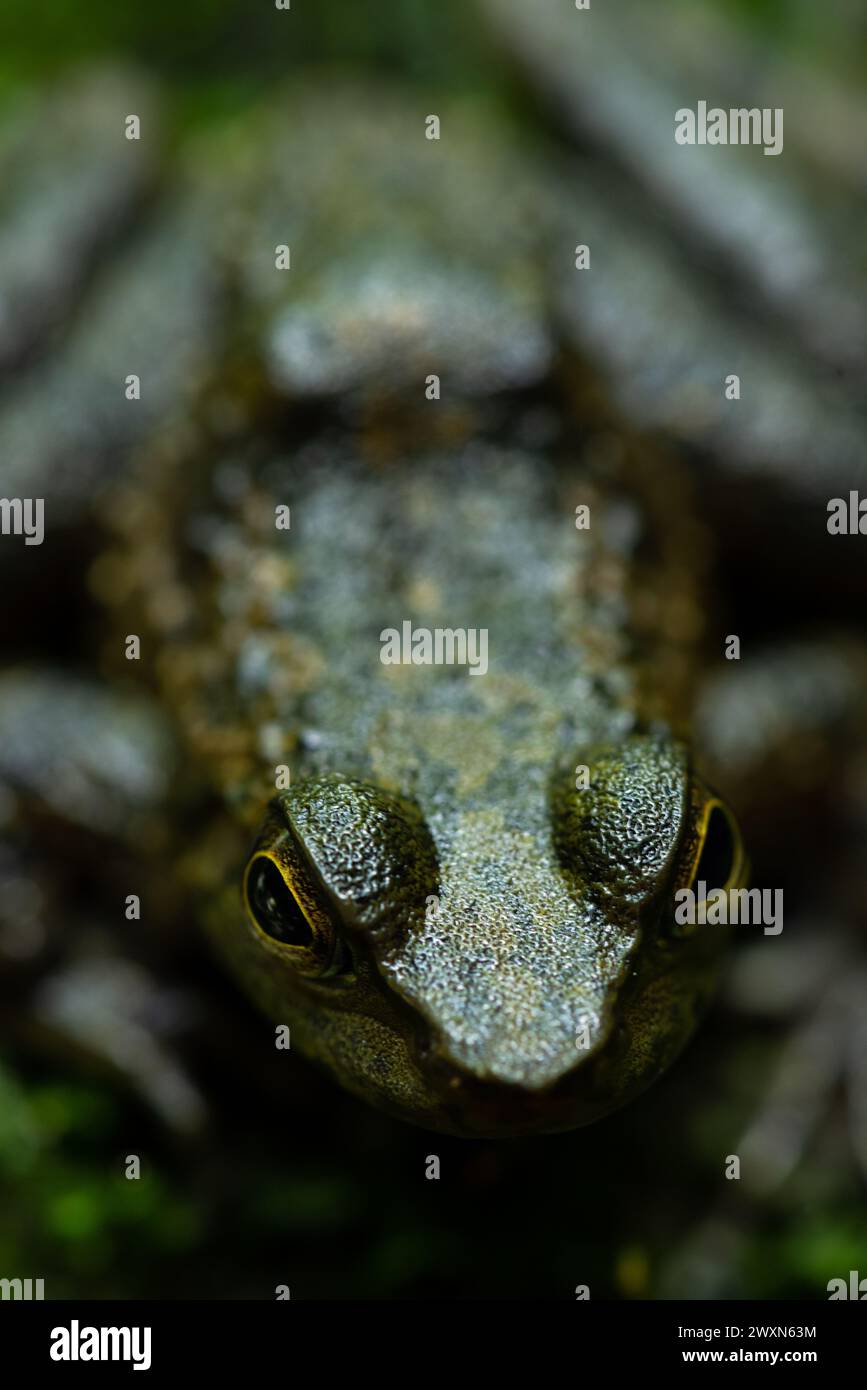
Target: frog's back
point(427, 639)
point(431, 621)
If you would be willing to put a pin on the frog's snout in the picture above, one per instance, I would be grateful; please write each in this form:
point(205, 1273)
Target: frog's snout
point(514, 987)
point(520, 1042)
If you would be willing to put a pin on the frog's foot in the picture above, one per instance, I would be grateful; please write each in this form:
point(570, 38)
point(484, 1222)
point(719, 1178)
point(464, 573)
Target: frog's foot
point(109, 1017)
point(82, 778)
point(76, 753)
point(616, 81)
point(70, 188)
point(796, 1129)
point(784, 736)
point(815, 1058)
point(757, 374)
point(109, 315)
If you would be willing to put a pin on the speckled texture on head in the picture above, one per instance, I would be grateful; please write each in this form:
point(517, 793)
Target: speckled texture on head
point(411, 782)
point(505, 965)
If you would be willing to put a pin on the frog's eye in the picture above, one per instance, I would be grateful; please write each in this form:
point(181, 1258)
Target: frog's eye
point(719, 854)
point(283, 909)
point(272, 905)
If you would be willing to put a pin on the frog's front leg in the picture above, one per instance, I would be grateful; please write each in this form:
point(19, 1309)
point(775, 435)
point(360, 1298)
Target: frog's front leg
point(83, 755)
point(783, 735)
point(83, 774)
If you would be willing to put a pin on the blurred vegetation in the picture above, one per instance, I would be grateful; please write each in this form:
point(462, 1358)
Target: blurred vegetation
point(222, 43)
point(819, 31)
point(426, 41)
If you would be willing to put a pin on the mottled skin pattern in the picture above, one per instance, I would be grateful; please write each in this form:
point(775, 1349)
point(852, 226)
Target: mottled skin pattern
point(488, 950)
point(553, 911)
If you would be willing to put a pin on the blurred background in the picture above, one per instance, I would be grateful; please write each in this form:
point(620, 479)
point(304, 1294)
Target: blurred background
point(117, 1041)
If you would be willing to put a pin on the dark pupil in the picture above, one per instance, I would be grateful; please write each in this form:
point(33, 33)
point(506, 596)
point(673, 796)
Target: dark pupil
point(274, 907)
point(717, 852)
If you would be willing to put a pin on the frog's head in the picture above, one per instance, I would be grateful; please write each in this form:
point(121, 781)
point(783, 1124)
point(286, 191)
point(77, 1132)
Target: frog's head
point(494, 971)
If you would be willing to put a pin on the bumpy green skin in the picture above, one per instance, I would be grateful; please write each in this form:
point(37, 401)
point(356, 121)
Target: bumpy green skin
point(543, 986)
point(547, 986)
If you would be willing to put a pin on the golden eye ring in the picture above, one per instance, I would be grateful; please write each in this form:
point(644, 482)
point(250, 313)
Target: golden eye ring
point(719, 860)
point(284, 913)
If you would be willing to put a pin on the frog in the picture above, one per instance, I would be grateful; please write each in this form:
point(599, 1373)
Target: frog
point(462, 904)
point(544, 978)
point(432, 908)
point(642, 340)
